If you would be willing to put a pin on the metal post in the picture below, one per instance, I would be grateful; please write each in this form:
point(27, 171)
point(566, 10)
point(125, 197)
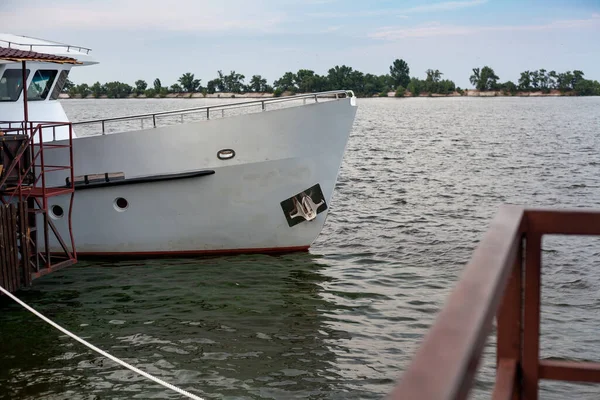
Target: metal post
point(103, 128)
point(263, 105)
point(208, 113)
point(54, 133)
point(509, 344)
point(154, 120)
point(24, 77)
point(531, 316)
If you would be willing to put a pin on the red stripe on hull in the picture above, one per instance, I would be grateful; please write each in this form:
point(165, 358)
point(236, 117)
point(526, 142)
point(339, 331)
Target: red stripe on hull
point(193, 253)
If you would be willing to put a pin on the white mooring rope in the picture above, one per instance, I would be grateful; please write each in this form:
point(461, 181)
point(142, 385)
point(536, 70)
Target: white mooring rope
point(105, 354)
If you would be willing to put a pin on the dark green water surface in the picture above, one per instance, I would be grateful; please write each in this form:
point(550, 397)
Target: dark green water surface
point(420, 182)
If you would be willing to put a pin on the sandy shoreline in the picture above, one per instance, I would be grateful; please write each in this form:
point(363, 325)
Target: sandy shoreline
point(225, 95)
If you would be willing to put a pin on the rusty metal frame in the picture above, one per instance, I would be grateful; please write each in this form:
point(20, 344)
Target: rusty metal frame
point(502, 279)
point(28, 161)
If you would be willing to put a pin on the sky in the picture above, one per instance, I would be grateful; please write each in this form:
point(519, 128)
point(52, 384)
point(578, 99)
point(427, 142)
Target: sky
point(148, 39)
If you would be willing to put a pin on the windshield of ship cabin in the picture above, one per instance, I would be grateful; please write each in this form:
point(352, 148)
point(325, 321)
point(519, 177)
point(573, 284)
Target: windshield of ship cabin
point(40, 84)
point(11, 84)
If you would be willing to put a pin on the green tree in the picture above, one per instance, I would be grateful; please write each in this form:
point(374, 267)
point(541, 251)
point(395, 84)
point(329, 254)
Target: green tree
point(525, 81)
point(341, 77)
point(117, 90)
point(433, 76)
point(535, 79)
point(508, 88)
point(213, 85)
point(286, 83)
point(475, 77)
point(374, 84)
point(414, 87)
point(220, 82)
point(257, 84)
point(564, 80)
point(188, 83)
point(445, 86)
point(73, 91)
point(233, 82)
point(67, 86)
point(552, 79)
point(484, 79)
point(140, 86)
point(176, 88)
point(432, 81)
point(98, 90)
point(305, 80)
point(577, 77)
point(543, 80)
point(587, 87)
point(489, 77)
point(400, 73)
point(83, 89)
point(157, 85)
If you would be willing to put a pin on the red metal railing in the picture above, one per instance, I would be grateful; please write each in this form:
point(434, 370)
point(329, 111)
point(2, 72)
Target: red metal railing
point(503, 279)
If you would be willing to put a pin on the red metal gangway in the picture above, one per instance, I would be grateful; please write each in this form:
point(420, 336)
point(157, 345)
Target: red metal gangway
point(503, 279)
point(24, 181)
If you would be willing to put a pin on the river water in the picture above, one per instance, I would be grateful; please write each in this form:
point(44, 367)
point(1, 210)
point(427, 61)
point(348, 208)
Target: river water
point(420, 182)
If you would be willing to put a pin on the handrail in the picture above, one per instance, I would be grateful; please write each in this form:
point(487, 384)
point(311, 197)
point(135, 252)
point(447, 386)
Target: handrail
point(493, 284)
point(32, 45)
point(208, 109)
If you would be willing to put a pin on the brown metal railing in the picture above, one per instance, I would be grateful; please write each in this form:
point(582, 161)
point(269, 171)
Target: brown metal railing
point(503, 279)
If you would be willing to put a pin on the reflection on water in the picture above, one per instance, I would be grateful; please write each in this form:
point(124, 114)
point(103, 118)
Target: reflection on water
point(236, 327)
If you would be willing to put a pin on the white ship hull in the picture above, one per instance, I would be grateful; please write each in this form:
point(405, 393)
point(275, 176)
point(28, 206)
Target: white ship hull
point(278, 154)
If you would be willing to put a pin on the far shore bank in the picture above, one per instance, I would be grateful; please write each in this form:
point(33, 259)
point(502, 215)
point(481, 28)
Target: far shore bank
point(258, 96)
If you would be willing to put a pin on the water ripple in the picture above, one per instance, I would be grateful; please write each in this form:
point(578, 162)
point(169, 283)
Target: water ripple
point(419, 184)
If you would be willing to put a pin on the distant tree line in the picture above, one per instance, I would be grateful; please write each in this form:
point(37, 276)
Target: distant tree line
point(532, 81)
point(398, 80)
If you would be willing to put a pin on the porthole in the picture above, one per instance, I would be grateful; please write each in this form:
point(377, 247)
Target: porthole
point(121, 204)
point(57, 212)
point(226, 154)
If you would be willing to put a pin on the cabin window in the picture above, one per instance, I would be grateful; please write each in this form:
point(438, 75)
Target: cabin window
point(11, 84)
point(40, 84)
point(60, 84)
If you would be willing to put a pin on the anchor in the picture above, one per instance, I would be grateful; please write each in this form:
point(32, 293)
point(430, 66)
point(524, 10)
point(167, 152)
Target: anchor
point(306, 208)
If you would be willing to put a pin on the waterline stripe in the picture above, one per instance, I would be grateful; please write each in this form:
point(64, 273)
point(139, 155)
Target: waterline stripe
point(102, 352)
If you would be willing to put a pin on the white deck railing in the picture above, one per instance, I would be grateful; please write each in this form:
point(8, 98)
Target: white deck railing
point(200, 113)
point(69, 47)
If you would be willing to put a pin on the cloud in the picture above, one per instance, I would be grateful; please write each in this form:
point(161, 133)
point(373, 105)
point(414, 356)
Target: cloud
point(183, 15)
point(364, 13)
point(445, 6)
point(332, 29)
point(436, 29)
point(319, 1)
point(400, 12)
